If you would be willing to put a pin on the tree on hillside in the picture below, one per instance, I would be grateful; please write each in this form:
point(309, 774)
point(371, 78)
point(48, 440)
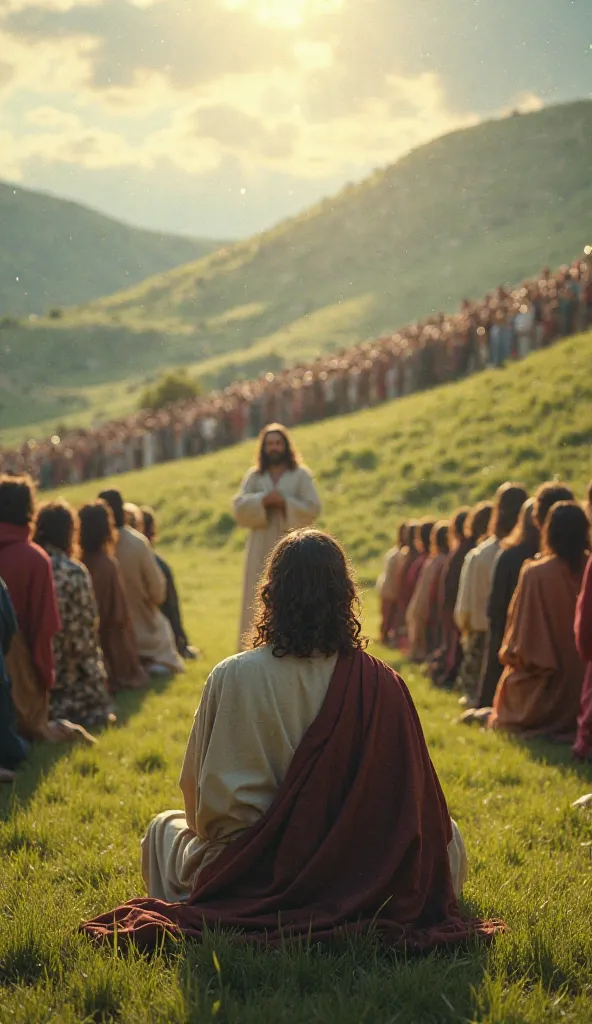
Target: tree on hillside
point(171, 386)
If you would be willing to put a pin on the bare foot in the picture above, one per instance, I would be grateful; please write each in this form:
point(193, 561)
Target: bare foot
point(6, 776)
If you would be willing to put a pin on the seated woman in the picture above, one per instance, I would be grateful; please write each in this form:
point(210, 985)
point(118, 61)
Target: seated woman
point(171, 608)
point(540, 688)
point(79, 693)
point(521, 546)
point(422, 610)
point(419, 544)
point(404, 590)
point(97, 544)
point(475, 586)
point(445, 661)
point(388, 585)
point(295, 822)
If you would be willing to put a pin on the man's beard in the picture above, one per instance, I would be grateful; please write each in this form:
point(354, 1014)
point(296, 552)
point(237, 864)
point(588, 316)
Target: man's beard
point(276, 458)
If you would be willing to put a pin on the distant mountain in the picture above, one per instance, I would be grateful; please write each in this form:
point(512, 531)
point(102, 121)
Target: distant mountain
point(453, 219)
point(57, 253)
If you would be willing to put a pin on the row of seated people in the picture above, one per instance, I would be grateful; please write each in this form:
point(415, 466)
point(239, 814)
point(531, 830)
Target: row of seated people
point(86, 609)
point(497, 603)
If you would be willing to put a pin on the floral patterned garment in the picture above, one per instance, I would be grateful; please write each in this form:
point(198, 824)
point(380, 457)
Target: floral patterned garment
point(80, 692)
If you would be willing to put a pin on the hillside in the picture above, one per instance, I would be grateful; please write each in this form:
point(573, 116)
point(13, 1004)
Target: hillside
point(454, 218)
point(56, 253)
point(431, 451)
point(69, 837)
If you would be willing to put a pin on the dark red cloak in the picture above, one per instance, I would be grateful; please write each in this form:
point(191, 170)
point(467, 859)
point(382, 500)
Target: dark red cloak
point(356, 838)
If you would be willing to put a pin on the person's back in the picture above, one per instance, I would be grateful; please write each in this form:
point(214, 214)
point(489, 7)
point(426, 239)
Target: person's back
point(97, 541)
point(539, 691)
point(26, 570)
point(295, 820)
point(145, 588)
point(12, 748)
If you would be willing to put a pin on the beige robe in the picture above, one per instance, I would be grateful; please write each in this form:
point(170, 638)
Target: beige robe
point(474, 588)
point(419, 607)
point(254, 711)
point(145, 587)
point(253, 714)
point(268, 526)
point(388, 583)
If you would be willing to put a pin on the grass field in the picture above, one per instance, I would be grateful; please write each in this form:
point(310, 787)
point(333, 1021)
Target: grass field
point(69, 834)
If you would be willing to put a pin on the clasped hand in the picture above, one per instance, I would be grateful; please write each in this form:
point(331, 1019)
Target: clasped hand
point(274, 500)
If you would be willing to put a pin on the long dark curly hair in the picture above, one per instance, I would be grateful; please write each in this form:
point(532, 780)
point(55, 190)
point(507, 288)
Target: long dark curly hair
point(292, 456)
point(308, 602)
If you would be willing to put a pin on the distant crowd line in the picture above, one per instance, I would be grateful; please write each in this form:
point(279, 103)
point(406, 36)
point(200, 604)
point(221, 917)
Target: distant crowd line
point(497, 603)
point(505, 325)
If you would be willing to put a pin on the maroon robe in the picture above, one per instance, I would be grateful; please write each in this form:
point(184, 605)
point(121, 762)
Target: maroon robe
point(583, 635)
point(345, 848)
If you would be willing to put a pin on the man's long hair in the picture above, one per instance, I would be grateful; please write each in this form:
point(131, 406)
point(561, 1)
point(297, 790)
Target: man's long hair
point(292, 460)
point(308, 602)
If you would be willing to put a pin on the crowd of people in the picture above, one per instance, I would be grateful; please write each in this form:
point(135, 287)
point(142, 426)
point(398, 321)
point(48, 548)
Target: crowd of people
point(497, 603)
point(505, 325)
point(87, 609)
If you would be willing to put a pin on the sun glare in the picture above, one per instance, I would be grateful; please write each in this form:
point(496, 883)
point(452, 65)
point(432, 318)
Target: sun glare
point(284, 13)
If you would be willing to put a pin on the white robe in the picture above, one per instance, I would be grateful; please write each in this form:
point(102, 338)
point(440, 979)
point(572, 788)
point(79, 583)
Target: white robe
point(268, 526)
point(253, 715)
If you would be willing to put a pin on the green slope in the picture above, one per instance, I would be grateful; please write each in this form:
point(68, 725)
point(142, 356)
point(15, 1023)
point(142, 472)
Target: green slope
point(432, 451)
point(56, 253)
point(70, 840)
point(454, 218)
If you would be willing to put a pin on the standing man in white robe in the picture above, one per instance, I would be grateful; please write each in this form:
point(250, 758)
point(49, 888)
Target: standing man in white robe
point(276, 496)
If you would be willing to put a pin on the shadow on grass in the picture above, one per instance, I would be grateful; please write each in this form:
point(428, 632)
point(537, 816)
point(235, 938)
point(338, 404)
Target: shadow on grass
point(347, 981)
point(44, 756)
point(555, 755)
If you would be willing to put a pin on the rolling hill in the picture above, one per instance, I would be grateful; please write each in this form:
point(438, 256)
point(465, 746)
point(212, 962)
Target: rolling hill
point(69, 833)
point(453, 218)
point(56, 253)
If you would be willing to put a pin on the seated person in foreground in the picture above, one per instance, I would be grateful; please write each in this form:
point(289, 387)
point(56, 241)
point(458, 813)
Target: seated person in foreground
point(311, 806)
point(171, 609)
point(540, 689)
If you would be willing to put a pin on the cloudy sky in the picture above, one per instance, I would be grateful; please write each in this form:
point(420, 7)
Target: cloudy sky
point(219, 117)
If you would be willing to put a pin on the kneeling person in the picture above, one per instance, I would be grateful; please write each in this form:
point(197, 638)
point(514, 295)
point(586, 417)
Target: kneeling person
point(311, 805)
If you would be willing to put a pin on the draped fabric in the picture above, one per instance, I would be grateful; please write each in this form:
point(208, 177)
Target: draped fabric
point(583, 635)
point(356, 838)
point(540, 689)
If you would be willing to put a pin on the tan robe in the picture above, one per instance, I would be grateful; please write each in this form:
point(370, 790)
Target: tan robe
point(419, 608)
point(388, 583)
point(252, 717)
point(268, 526)
point(145, 588)
point(540, 688)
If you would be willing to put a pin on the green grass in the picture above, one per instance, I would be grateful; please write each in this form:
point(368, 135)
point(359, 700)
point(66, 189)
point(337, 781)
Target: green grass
point(454, 218)
point(56, 253)
point(69, 837)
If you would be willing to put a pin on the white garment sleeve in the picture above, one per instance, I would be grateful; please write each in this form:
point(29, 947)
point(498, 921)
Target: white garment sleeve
point(248, 503)
point(302, 510)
